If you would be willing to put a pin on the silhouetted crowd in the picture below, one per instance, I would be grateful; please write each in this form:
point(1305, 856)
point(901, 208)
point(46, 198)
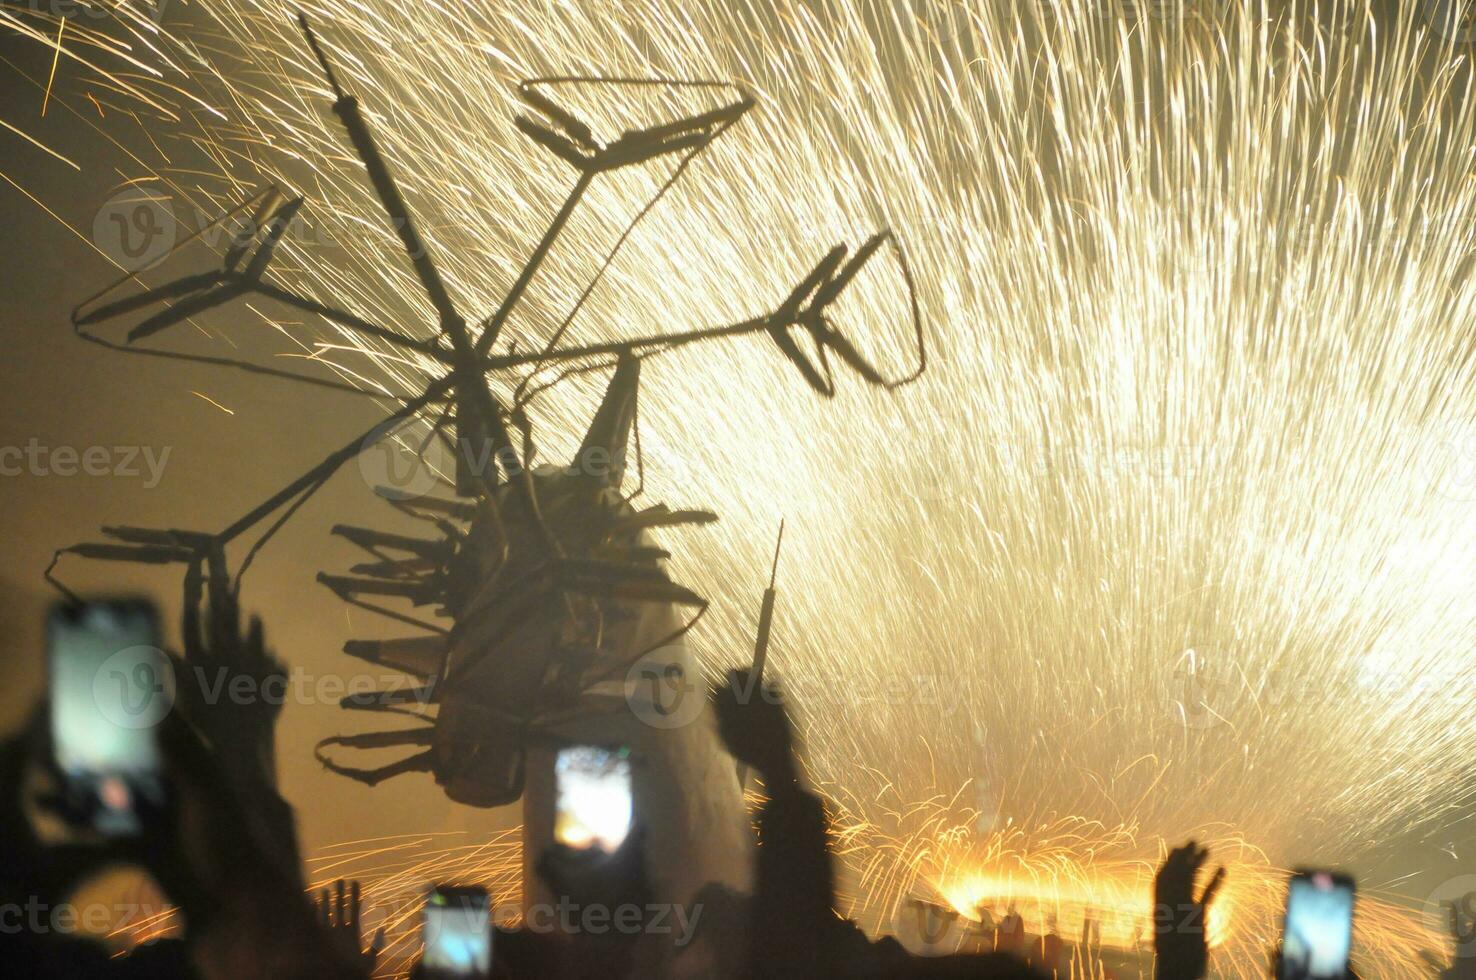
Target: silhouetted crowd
point(224, 852)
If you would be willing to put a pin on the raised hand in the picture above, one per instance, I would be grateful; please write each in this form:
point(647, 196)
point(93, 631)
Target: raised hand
point(754, 724)
point(340, 913)
point(217, 857)
point(1180, 935)
point(232, 688)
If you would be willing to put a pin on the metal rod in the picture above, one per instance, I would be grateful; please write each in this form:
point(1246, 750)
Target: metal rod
point(469, 380)
point(346, 107)
point(761, 639)
point(632, 345)
point(766, 615)
point(325, 468)
point(346, 319)
point(499, 318)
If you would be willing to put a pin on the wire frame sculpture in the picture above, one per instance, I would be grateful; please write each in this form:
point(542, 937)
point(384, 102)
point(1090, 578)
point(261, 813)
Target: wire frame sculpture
point(533, 573)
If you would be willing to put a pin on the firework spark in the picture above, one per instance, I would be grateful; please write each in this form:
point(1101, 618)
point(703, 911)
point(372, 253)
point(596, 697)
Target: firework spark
point(1072, 877)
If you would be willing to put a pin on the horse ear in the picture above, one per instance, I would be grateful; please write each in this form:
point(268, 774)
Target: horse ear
point(602, 455)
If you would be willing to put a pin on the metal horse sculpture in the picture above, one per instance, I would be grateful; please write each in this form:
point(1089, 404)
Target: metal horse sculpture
point(548, 584)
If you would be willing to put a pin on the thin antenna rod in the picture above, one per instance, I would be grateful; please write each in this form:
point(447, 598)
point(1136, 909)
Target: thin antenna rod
point(766, 615)
point(774, 572)
point(312, 40)
point(761, 639)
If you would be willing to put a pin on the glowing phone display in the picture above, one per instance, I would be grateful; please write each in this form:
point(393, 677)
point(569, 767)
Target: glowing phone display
point(1318, 934)
point(110, 686)
point(593, 807)
point(458, 933)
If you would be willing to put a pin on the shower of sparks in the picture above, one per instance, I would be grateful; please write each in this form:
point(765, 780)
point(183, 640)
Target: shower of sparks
point(1060, 874)
point(1177, 533)
point(1056, 877)
point(394, 874)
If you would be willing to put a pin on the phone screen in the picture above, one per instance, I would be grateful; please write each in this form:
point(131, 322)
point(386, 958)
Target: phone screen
point(593, 806)
point(1318, 934)
point(458, 933)
point(110, 685)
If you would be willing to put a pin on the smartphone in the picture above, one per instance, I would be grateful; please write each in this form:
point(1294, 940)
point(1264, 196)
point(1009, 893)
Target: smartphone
point(110, 686)
point(593, 809)
point(458, 933)
point(1318, 933)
